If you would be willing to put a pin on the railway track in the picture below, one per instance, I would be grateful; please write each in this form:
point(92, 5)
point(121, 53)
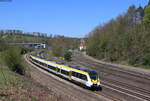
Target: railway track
point(110, 80)
point(114, 71)
point(108, 96)
point(111, 68)
point(125, 85)
point(138, 94)
point(126, 89)
point(129, 90)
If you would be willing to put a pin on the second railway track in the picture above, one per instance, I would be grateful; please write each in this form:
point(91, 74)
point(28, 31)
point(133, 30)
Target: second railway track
point(139, 93)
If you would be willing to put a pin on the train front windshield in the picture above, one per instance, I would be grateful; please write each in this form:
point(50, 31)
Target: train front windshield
point(93, 75)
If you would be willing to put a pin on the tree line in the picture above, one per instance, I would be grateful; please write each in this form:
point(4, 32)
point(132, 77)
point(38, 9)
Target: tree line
point(58, 45)
point(123, 39)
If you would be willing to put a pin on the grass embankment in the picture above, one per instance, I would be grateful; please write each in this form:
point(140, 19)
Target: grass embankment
point(16, 86)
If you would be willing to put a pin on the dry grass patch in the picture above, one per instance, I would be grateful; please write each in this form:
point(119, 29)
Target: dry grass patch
point(14, 87)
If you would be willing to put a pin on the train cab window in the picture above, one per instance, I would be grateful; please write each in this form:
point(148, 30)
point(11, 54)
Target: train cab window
point(64, 72)
point(93, 75)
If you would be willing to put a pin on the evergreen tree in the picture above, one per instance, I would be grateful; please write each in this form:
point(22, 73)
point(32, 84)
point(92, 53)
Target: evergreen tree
point(146, 19)
point(139, 15)
point(141, 11)
point(67, 56)
point(131, 14)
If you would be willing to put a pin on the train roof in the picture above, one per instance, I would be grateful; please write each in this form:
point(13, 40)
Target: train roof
point(70, 66)
point(81, 68)
point(43, 58)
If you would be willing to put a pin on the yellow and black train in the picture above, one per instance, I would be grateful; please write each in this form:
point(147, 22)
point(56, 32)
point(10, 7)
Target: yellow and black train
point(84, 76)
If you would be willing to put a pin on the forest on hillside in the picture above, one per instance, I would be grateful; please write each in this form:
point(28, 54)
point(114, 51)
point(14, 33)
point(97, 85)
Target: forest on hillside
point(123, 39)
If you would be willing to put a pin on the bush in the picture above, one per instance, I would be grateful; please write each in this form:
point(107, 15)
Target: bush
point(146, 59)
point(24, 50)
point(12, 58)
point(3, 45)
point(67, 56)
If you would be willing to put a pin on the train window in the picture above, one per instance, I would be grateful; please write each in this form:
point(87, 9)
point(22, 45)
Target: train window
point(42, 63)
point(83, 77)
point(51, 67)
point(78, 75)
point(36, 61)
point(74, 74)
point(45, 64)
point(64, 72)
point(58, 70)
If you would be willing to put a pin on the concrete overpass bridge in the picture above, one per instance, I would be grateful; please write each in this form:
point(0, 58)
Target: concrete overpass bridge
point(33, 45)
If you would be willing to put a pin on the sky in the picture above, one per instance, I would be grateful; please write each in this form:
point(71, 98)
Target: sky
point(73, 18)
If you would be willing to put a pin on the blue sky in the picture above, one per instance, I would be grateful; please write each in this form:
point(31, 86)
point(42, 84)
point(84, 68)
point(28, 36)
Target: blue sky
point(74, 18)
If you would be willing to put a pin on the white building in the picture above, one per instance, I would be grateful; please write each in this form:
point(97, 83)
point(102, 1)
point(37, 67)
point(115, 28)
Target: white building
point(82, 45)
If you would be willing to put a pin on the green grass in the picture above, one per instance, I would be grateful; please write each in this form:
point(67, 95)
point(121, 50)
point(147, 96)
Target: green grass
point(15, 87)
point(135, 65)
point(145, 67)
point(8, 78)
point(4, 74)
point(8, 81)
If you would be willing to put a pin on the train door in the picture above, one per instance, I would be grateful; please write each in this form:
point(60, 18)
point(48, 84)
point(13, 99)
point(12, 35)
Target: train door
point(70, 74)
